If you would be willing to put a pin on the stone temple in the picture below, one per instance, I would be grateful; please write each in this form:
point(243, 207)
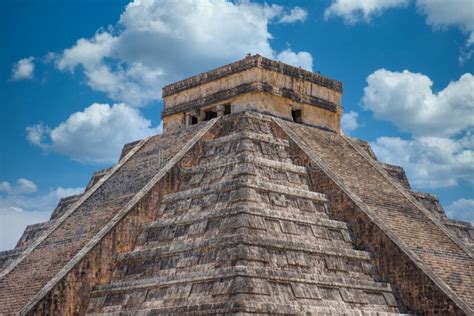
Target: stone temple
point(252, 201)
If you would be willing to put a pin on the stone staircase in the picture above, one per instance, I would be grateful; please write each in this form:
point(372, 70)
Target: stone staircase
point(245, 233)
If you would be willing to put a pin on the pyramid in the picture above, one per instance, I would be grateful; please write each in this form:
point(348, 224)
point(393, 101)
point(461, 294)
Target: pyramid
point(252, 201)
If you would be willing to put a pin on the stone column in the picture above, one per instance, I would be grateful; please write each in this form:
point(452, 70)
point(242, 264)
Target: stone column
point(201, 116)
point(187, 119)
point(219, 109)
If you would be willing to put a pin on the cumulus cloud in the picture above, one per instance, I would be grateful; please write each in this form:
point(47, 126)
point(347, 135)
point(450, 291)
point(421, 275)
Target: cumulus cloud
point(462, 209)
point(353, 11)
point(96, 134)
point(21, 205)
point(407, 100)
point(457, 13)
point(22, 186)
point(159, 41)
point(430, 162)
point(349, 121)
point(296, 14)
point(301, 59)
point(23, 69)
point(441, 150)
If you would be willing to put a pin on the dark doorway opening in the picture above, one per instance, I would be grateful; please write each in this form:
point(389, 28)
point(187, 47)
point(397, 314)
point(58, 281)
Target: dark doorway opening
point(227, 109)
point(209, 115)
point(194, 120)
point(296, 114)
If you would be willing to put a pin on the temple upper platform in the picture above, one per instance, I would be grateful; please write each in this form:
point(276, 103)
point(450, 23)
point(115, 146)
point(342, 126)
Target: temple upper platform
point(254, 83)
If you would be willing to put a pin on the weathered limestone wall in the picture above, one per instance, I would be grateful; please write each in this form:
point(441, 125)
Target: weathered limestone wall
point(282, 107)
point(173, 121)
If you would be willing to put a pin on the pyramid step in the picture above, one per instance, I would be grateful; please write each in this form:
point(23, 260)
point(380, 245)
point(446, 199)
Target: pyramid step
point(249, 143)
point(245, 182)
point(222, 242)
point(220, 306)
point(267, 250)
point(241, 223)
point(330, 308)
point(256, 283)
point(267, 170)
point(266, 219)
point(267, 138)
point(251, 208)
point(245, 158)
point(247, 272)
point(229, 173)
point(208, 257)
point(244, 189)
point(157, 238)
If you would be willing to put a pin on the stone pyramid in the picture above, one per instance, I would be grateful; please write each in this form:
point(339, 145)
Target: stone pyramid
point(251, 202)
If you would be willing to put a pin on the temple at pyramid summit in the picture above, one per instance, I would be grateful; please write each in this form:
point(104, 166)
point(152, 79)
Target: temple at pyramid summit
point(251, 202)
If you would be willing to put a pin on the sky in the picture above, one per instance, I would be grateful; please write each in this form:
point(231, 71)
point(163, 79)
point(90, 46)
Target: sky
point(78, 79)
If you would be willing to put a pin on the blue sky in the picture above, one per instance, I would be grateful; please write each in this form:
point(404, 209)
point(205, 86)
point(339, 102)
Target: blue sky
point(80, 78)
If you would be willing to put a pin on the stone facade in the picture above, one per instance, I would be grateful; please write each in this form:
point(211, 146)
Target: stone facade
point(258, 84)
point(245, 213)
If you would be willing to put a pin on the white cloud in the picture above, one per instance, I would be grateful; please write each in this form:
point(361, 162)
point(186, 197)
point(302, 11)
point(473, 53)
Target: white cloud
point(349, 121)
point(407, 100)
point(353, 11)
point(430, 162)
point(442, 14)
point(22, 186)
point(159, 41)
point(301, 59)
point(23, 69)
point(88, 53)
point(457, 13)
point(37, 134)
point(20, 206)
point(462, 209)
point(25, 186)
point(296, 14)
point(95, 135)
point(5, 186)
